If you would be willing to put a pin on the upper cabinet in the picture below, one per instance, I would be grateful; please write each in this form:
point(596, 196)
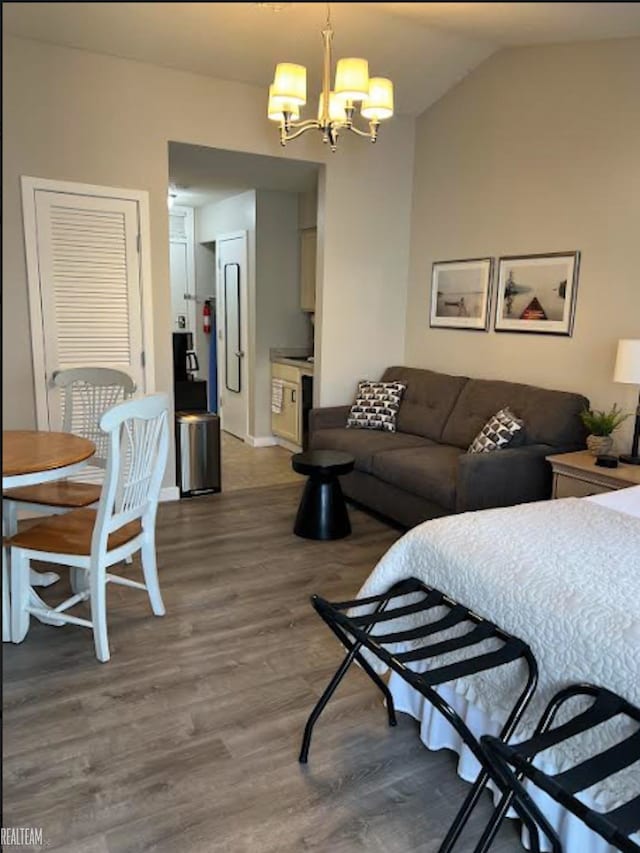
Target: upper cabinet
point(308, 244)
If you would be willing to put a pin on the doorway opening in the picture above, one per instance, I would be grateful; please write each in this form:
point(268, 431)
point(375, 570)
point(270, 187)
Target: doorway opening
point(243, 247)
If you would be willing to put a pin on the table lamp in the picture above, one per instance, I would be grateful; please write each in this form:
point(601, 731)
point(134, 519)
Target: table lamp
point(628, 370)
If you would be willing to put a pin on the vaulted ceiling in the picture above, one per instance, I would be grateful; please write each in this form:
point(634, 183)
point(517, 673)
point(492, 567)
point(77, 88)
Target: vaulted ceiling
point(424, 47)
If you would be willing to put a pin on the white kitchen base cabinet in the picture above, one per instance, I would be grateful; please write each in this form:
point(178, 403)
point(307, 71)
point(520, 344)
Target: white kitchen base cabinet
point(286, 424)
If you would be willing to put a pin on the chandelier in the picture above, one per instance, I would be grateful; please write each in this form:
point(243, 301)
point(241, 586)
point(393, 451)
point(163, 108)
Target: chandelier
point(336, 107)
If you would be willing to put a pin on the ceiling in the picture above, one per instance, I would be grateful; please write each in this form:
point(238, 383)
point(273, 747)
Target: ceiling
point(424, 47)
point(525, 23)
point(203, 175)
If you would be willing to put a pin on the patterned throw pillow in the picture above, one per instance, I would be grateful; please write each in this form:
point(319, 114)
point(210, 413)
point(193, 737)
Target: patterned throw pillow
point(499, 431)
point(376, 406)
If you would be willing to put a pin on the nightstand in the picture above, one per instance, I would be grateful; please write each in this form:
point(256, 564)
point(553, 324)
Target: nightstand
point(576, 475)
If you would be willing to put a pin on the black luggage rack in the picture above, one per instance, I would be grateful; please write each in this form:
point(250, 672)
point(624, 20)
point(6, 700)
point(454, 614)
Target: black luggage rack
point(355, 633)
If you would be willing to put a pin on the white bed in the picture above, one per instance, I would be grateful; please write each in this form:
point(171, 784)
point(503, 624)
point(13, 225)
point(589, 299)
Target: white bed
point(562, 575)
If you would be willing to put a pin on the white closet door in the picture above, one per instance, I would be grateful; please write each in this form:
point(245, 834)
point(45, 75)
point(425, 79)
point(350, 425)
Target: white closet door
point(89, 276)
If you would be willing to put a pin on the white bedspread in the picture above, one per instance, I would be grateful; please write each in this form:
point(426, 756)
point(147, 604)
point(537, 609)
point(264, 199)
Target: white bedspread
point(562, 575)
point(622, 500)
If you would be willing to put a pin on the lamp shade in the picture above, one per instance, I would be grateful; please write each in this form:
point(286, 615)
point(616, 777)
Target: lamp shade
point(290, 83)
point(378, 105)
point(336, 108)
point(352, 79)
point(628, 362)
point(277, 106)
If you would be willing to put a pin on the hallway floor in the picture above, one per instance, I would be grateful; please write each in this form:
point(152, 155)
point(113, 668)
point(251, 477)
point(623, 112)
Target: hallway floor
point(246, 467)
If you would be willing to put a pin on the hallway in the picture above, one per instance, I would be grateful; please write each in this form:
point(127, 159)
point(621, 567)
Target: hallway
point(246, 467)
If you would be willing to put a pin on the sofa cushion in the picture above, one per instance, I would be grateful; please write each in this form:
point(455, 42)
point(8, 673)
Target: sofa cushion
point(363, 444)
point(431, 472)
point(427, 401)
point(550, 417)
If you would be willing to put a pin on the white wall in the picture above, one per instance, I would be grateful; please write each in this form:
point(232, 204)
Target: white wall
point(80, 116)
point(537, 150)
point(308, 209)
point(280, 321)
point(237, 213)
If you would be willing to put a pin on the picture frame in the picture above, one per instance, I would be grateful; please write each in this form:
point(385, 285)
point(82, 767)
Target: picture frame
point(461, 294)
point(536, 294)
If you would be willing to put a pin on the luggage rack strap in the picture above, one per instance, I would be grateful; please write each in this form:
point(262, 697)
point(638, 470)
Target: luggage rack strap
point(401, 588)
point(480, 633)
point(627, 816)
point(457, 614)
point(603, 709)
point(600, 766)
point(434, 598)
point(510, 651)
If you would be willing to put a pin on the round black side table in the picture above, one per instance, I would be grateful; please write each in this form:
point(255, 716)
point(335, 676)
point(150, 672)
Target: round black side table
point(322, 513)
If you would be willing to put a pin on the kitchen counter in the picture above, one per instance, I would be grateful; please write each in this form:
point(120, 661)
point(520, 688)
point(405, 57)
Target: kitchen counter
point(293, 359)
point(304, 365)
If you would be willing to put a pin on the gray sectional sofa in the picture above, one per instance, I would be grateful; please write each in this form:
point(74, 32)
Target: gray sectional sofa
point(422, 470)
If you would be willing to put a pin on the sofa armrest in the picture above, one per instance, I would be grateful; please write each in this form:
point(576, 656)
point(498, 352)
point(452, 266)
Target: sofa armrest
point(503, 477)
point(328, 418)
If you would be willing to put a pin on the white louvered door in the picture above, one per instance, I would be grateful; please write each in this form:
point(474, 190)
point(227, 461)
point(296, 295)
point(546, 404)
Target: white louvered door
point(89, 276)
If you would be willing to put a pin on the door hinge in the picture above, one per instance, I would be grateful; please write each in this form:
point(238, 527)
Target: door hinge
point(139, 242)
point(143, 359)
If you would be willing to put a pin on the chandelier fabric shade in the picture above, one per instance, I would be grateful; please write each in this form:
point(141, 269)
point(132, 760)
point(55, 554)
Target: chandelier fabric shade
point(352, 79)
point(278, 106)
point(290, 83)
point(378, 105)
point(336, 107)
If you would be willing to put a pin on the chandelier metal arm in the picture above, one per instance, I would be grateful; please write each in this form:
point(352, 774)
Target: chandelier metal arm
point(286, 134)
point(371, 134)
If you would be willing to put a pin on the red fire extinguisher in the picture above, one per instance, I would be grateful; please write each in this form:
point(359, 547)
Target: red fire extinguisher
point(206, 318)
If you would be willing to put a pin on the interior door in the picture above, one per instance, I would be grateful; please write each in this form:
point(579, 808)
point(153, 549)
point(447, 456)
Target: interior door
point(232, 334)
point(89, 282)
point(182, 269)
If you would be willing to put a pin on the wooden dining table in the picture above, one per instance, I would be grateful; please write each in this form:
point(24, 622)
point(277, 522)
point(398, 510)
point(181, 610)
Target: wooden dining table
point(29, 458)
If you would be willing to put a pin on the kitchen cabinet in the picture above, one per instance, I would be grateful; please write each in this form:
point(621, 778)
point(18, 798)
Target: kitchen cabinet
point(308, 247)
point(291, 423)
point(286, 424)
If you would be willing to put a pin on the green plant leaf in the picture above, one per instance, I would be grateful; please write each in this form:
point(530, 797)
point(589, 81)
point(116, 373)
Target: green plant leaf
point(603, 423)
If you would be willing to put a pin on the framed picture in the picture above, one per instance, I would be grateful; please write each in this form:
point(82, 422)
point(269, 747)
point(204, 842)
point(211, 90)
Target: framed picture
point(461, 293)
point(537, 293)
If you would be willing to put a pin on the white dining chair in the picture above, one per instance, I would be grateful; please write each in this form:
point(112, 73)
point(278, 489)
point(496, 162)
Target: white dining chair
point(87, 393)
point(91, 541)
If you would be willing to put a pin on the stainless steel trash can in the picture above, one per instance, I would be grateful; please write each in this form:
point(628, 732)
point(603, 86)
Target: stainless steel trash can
point(198, 453)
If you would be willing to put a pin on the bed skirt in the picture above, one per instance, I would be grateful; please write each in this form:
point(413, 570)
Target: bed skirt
point(436, 733)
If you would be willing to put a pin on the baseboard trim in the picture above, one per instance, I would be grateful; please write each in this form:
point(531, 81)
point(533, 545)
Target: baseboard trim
point(262, 440)
point(169, 493)
point(288, 445)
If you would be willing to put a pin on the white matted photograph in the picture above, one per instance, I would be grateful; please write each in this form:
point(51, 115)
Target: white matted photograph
point(537, 293)
point(461, 294)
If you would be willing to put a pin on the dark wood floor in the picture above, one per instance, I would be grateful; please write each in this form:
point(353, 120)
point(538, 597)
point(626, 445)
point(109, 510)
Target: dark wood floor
point(186, 742)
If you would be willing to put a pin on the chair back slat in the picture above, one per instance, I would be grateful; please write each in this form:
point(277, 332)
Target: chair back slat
point(141, 440)
point(87, 393)
point(138, 435)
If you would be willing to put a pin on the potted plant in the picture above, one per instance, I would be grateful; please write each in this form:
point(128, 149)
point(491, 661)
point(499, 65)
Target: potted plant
point(601, 425)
